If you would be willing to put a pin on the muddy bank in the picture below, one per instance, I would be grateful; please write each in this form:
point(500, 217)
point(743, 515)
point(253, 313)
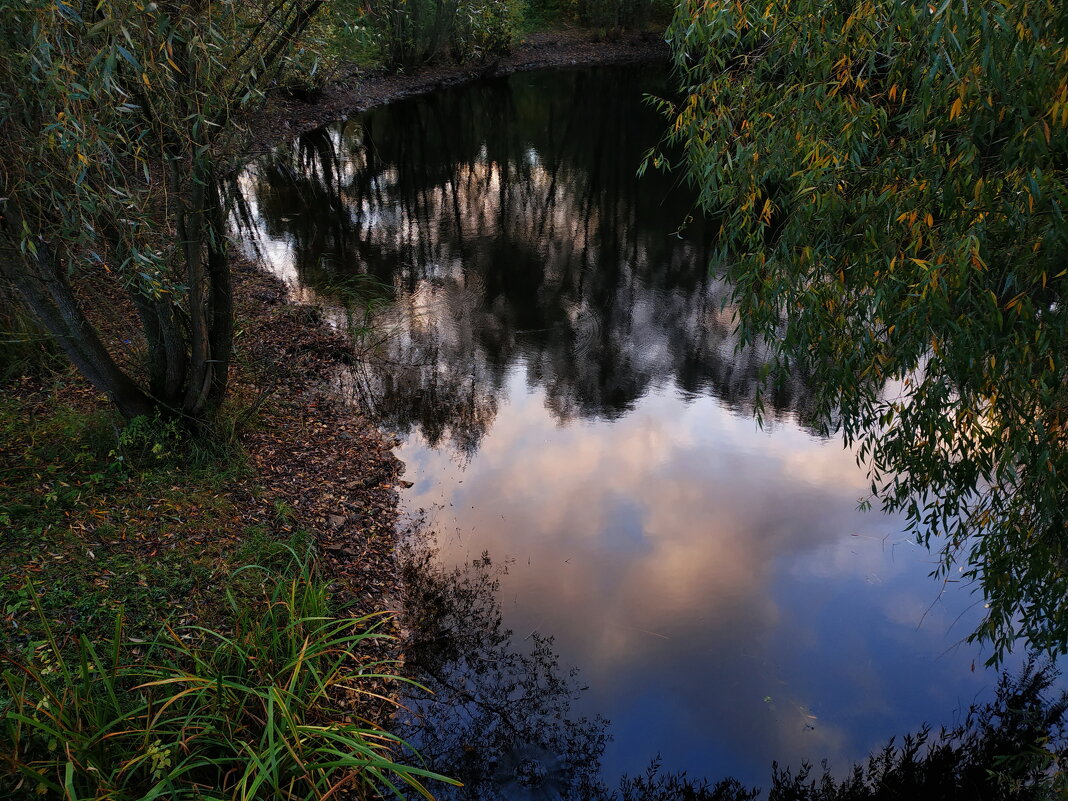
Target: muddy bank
point(355, 91)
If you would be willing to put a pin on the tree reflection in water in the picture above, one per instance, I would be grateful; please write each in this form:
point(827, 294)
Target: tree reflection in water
point(498, 713)
point(510, 226)
point(498, 718)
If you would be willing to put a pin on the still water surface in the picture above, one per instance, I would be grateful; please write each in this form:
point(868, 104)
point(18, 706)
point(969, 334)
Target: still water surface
point(561, 370)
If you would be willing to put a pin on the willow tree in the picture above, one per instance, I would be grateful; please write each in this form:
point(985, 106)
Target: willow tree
point(115, 119)
point(889, 179)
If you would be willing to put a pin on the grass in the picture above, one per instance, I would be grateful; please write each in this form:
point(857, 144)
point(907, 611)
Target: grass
point(161, 639)
point(259, 710)
point(102, 517)
point(23, 347)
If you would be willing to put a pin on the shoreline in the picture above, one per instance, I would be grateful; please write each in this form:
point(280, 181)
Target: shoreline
point(286, 116)
point(349, 513)
point(312, 449)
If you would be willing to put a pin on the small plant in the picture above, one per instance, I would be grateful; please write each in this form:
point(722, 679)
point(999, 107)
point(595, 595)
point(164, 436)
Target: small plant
point(264, 710)
point(486, 28)
point(150, 438)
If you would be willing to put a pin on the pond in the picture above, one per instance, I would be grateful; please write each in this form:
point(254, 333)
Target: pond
point(556, 356)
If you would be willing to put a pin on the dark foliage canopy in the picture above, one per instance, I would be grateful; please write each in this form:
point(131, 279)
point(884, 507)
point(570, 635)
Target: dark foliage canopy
point(890, 180)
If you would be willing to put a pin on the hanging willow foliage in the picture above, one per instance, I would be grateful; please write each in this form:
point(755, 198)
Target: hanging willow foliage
point(890, 182)
point(115, 116)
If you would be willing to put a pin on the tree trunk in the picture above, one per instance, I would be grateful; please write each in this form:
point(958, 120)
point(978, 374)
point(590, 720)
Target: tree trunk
point(167, 357)
point(220, 300)
point(51, 301)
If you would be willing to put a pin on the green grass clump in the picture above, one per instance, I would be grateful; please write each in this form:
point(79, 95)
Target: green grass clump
point(262, 710)
point(24, 348)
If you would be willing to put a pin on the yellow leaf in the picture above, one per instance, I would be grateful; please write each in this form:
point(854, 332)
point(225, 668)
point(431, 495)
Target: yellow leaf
point(1015, 302)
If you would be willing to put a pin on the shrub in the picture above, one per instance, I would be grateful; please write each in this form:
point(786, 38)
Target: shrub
point(619, 14)
point(415, 32)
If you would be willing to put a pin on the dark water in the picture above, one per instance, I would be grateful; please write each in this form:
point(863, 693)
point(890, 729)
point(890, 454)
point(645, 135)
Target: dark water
point(558, 360)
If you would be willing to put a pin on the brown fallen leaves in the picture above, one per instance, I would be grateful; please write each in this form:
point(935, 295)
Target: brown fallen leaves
point(313, 453)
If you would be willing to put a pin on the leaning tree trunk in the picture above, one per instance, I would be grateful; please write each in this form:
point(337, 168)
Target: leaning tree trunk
point(49, 297)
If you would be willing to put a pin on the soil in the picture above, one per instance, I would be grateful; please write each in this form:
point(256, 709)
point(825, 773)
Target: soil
point(312, 451)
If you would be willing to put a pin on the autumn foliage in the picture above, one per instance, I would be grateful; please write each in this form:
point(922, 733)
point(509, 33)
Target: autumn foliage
point(890, 183)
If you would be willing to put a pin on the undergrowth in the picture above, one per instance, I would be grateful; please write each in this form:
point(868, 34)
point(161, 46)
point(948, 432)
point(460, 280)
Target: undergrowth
point(102, 515)
point(262, 709)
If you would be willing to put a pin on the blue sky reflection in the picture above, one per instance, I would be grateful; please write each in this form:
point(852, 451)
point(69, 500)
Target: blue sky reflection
point(717, 586)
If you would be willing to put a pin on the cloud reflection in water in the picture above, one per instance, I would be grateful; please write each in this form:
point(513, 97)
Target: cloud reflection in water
point(564, 370)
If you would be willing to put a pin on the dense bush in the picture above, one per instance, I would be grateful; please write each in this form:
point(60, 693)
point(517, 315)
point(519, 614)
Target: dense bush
point(407, 33)
point(403, 34)
point(620, 14)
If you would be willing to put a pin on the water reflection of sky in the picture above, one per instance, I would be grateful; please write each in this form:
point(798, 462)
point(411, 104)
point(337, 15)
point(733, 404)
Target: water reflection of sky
point(574, 402)
point(727, 603)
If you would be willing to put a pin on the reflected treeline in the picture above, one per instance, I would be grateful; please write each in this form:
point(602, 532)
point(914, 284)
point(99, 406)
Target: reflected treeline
point(498, 716)
point(509, 221)
point(499, 720)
